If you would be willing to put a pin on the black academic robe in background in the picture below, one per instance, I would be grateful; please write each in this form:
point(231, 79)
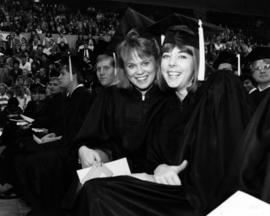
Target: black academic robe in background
point(34, 109)
point(255, 153)
point(52, 110)
point(44, 172)
point(257, 96)
point(207, 137)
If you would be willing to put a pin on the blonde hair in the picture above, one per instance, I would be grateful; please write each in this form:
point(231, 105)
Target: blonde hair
point(134, 43)
point(194, 52)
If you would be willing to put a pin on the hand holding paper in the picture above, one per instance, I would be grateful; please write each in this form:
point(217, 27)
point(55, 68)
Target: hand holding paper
point(114, 168)
point(88, 156)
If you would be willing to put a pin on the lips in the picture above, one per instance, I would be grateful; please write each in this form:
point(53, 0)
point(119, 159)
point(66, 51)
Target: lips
point(173, 74)
point(141, 78)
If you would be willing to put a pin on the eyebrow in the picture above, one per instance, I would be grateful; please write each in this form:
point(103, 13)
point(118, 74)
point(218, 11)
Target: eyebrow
point(188, 51)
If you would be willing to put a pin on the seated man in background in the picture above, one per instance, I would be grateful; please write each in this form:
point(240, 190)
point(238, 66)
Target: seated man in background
point(106, 71)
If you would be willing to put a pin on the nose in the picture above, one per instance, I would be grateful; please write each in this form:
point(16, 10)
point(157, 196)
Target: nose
point(101, 72)
point(172, 61)
point(139, 70)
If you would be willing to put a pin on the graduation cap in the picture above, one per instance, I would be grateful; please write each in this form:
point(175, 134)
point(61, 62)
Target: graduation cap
point(257, 54)
point(225, 57)
point(182, 30)
point(174, 19)
point(181, 34)
point(74, 64)
point(130, 21)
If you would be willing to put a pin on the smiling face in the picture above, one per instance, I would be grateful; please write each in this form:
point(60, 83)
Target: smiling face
point(177, 67)
point(140, 71)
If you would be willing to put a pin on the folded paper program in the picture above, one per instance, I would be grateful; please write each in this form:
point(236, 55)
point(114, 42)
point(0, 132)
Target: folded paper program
point(113, 168)
point(241, 203)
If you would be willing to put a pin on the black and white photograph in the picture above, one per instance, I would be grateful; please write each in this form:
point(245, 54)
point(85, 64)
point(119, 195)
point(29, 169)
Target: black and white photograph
point(134, 108)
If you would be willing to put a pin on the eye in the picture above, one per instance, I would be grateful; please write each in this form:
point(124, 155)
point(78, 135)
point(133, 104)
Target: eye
point(146, 63)
point(106, 68)
point(130, 66)
point(165, 56)
point(182, 56)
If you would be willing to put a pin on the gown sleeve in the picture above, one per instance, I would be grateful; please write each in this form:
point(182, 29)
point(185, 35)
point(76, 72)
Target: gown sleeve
point(96, 131)
point(255, 154)
point(211, 139)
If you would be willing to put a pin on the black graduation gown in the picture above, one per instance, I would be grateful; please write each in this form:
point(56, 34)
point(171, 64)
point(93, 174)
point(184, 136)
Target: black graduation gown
point(255, 153)
point(117, 123)
point(207, 140)
point(45, 173)
point(53, 109)
point(211, 139)
point(166, 131)
point(35, 109)
point(126, 195)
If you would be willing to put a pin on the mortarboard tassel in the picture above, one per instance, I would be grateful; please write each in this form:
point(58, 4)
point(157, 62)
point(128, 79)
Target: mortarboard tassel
point(162, 38)
point(115, 65)
point(238, 65)
point(70, 67)
point(201, 73)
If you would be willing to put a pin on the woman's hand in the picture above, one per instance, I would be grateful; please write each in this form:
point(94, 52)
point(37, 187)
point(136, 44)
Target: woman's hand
point(88, 157)
point(165, 174)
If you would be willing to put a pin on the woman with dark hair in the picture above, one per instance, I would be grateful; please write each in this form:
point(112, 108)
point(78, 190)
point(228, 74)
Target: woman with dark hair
point(188, 133)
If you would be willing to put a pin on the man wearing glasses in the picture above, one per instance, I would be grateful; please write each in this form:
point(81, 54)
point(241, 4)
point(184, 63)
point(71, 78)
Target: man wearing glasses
point(259, 59)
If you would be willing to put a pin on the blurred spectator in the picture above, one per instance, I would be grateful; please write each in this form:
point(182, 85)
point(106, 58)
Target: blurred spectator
point(25, 65)
point(3, 96)
point(53, 87)
point(61, 39)
point(20, 95)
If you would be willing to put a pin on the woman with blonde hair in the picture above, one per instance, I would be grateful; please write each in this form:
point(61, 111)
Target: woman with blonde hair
point(115, 122)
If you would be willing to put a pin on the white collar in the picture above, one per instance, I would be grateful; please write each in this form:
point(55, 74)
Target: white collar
point(262, 89)
point(70, 93)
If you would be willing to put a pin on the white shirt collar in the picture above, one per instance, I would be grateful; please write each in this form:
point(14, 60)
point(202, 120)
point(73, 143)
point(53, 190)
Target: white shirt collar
point(70, 93)
point(262, 89)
